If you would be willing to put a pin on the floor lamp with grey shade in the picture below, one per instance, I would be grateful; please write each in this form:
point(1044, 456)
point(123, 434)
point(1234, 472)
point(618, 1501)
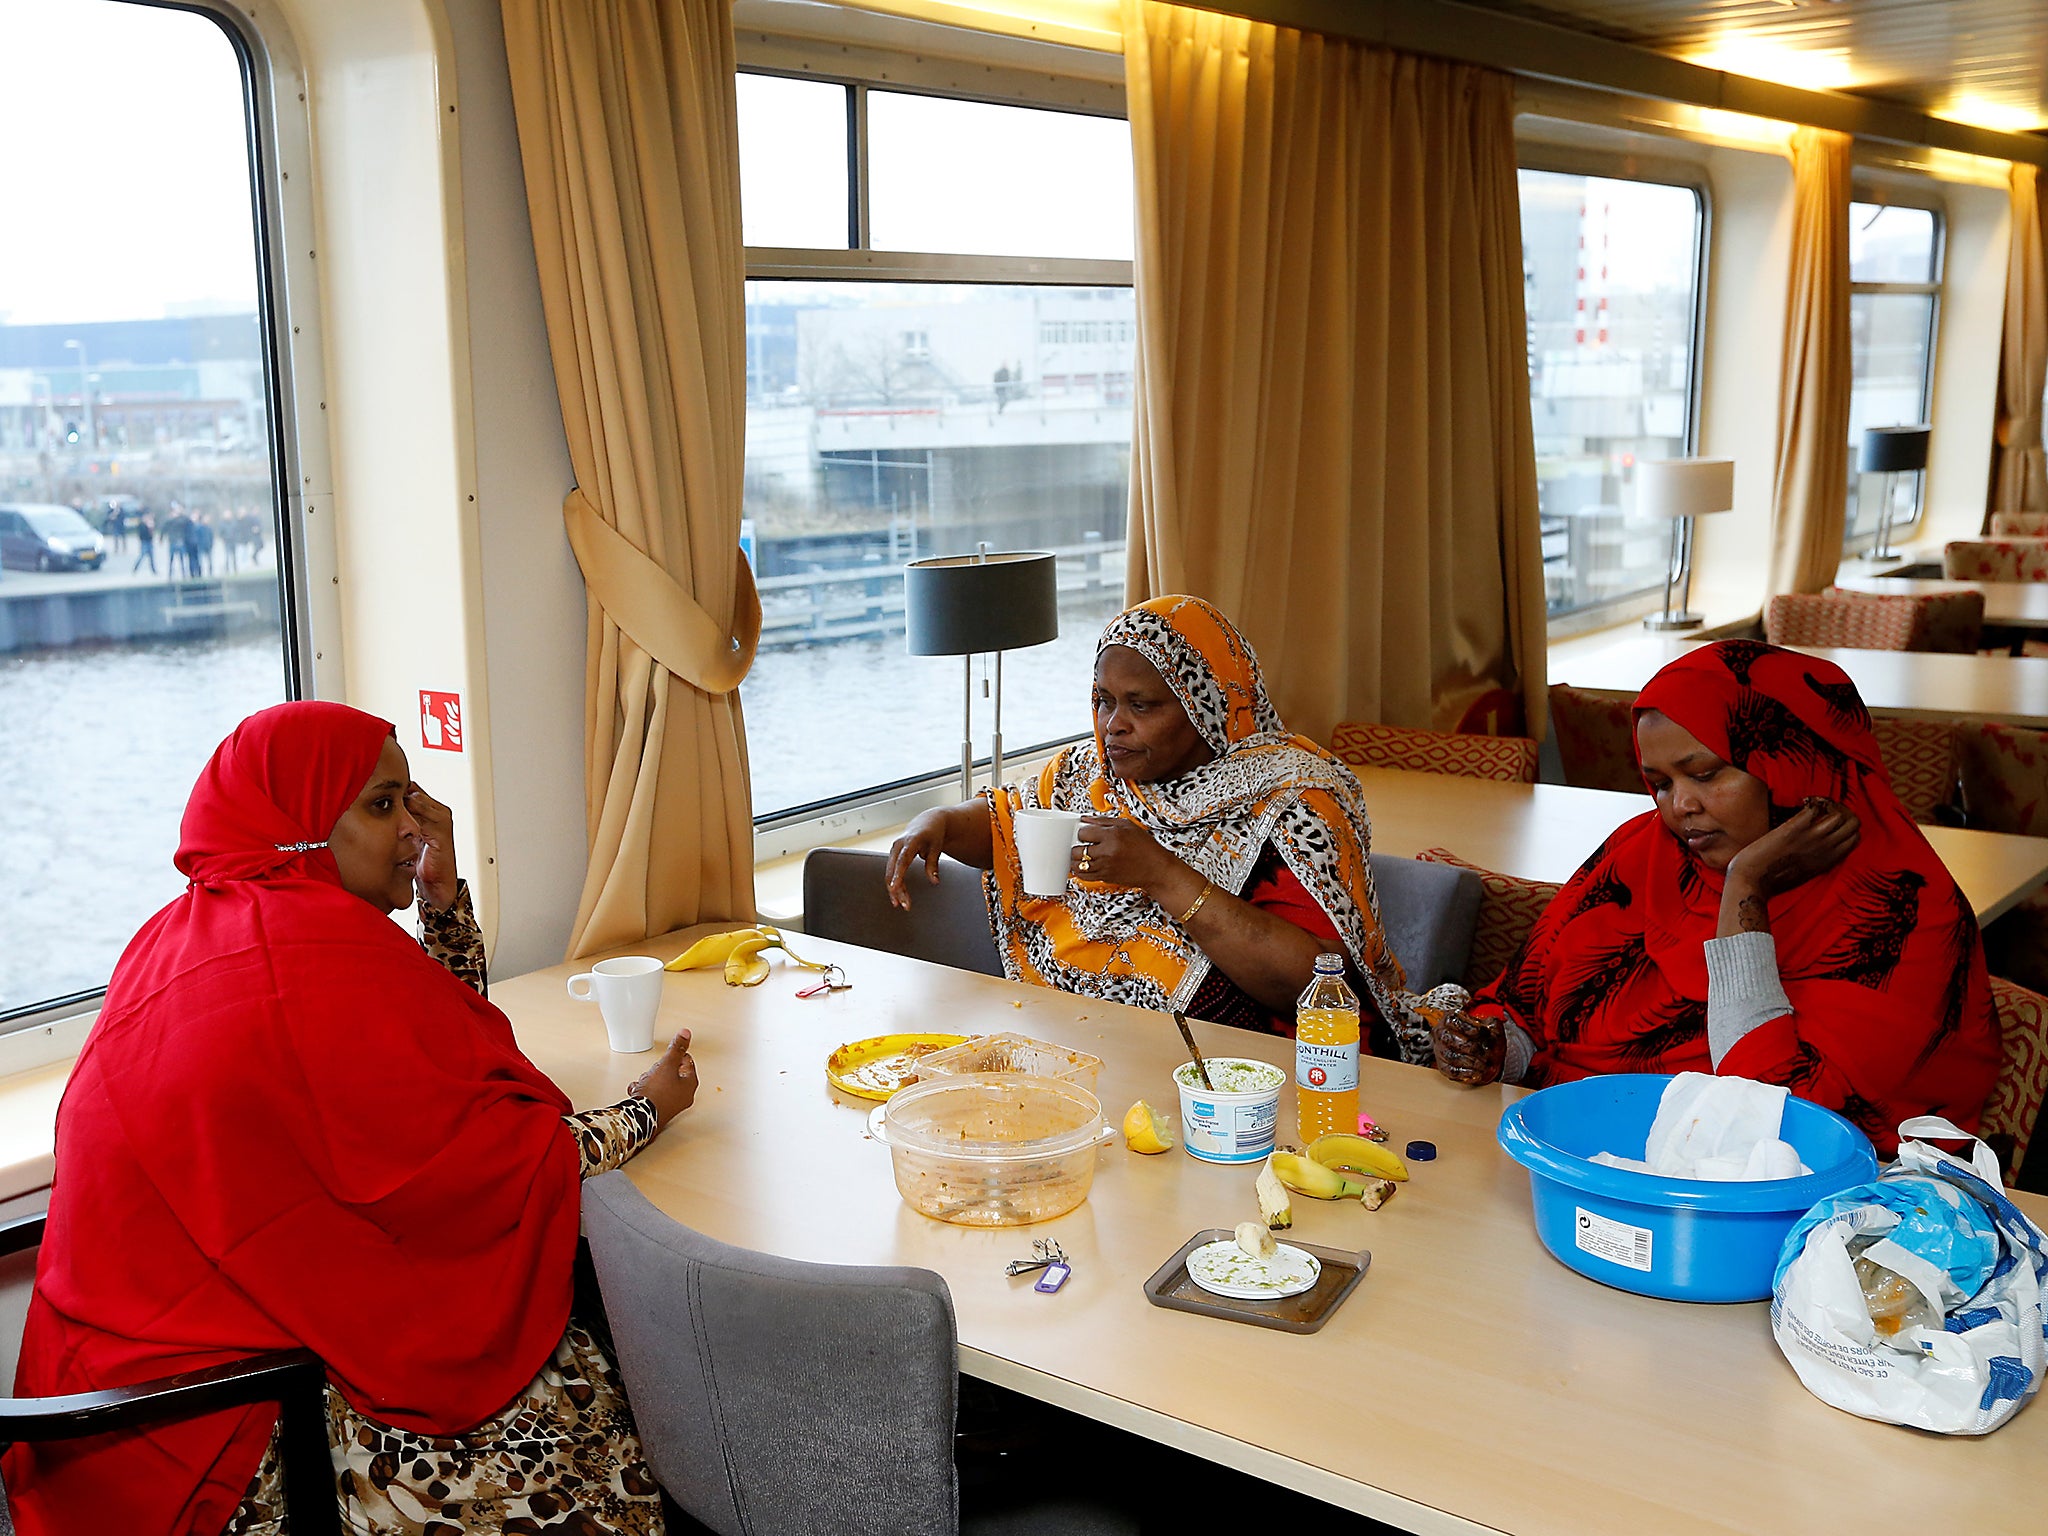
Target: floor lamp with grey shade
point(969, 605)
point(1891, 451)
point(1682, 489)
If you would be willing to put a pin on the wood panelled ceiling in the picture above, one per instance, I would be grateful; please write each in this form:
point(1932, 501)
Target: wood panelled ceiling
point(1978, 61)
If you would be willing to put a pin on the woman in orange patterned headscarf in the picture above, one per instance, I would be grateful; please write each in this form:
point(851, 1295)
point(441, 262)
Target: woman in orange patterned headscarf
point(1221, 855)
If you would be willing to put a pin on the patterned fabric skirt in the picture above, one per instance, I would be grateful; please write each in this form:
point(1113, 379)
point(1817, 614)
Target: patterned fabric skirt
point(562, 1459)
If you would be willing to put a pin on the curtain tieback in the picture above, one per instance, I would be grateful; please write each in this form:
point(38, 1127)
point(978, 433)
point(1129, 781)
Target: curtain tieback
point(653, 609)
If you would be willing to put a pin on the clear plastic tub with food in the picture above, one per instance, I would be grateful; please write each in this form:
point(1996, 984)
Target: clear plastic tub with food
point(1012, 1052)
point(992, 1149)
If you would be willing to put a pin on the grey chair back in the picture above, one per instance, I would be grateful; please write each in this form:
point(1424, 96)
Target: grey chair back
point(775, 1396)
point(845, 898)
point(1429, 912)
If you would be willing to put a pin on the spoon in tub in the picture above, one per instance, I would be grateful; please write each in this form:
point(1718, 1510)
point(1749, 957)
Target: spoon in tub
point(1201, 1067)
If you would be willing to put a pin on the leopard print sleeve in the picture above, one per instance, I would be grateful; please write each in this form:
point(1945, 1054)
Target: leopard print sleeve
point(453, 938)
point(608, 1137)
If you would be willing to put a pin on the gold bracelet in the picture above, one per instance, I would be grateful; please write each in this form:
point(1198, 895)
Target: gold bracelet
point(1189, 915)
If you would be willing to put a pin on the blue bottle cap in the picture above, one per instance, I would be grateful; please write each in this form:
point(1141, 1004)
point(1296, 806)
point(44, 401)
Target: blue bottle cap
point(1421, 1151)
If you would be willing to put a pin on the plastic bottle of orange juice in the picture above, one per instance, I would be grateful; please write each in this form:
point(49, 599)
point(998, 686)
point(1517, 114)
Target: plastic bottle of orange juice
point(1326, 1053)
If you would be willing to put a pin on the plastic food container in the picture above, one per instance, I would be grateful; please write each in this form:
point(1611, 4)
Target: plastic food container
point(1011, 1052)
point(992, 1149)
point(1234, 1122)
point(1683, 1239)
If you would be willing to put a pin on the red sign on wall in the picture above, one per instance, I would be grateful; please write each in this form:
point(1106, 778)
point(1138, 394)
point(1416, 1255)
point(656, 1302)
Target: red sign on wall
point(441, 721)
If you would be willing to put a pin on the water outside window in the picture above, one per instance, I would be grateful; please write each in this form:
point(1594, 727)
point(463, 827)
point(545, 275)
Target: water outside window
point(890, 422)
point(1894, 257)
point(139, 594)
point(1610, 271)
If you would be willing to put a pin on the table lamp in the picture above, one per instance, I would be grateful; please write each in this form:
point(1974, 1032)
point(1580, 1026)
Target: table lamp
point(1891, 451)
point(968, 605)
point(1682, 489)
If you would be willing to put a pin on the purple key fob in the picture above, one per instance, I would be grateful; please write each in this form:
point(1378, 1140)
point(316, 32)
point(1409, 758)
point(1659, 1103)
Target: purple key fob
point(1054, 1277)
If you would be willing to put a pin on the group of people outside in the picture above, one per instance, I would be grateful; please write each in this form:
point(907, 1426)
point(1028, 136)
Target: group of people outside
point(310, 1130)
point(194, 544)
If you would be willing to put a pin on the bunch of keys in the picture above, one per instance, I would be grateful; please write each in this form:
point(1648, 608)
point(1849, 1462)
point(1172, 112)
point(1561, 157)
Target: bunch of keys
point(833, 980)
point(1048, 1256)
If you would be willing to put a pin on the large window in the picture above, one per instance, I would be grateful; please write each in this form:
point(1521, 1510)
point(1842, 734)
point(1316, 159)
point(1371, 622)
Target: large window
point(1894, 281)
point(1611, 274)
point(979, 393)
point(139, 585)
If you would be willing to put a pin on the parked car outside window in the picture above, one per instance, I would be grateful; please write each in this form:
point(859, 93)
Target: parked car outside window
point(39, 537)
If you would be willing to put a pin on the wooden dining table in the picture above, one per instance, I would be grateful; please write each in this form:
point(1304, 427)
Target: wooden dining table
point(2007, 604)
point(1471, 1383)
point(1545, 831)
point(1929, 685)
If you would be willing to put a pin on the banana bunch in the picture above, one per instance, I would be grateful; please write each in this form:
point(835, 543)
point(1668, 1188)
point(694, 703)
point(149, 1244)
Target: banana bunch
point(740, 953)
point(1312, 1176)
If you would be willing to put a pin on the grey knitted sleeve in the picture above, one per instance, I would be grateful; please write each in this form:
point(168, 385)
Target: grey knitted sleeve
point(1743, 989)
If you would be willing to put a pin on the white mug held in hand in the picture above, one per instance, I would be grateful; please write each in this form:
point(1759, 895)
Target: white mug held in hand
point(1044, 841)
point(628, 993)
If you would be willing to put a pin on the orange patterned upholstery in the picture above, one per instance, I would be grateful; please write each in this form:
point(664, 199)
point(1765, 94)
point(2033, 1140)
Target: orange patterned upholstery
point(1996, 560)
point(1511, 759)
point(2019, 525)
point(2015, 1105)
point(1941, 621)
point(1920, 760)
point(1595, 733)
point(1508, 908)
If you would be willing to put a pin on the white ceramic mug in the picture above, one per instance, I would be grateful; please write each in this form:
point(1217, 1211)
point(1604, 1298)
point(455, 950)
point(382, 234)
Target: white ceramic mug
point(1045, 839)
point(628, 993)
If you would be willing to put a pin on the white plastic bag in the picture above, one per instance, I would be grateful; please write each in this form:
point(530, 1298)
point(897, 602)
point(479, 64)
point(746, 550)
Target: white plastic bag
point(1991, 1351)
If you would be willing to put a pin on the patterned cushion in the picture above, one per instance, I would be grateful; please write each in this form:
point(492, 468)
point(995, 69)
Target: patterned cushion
point(1996, 560)
point(1508, 908)
point(1920, 760)
point(1511, 759)
point(2019, 525)
point(1939, 621)
point(2023, 1079)
point(1596, 738)
point(2004, 771)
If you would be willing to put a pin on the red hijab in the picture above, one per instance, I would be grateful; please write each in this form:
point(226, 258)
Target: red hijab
point(1880, 957)
point(289, 1128)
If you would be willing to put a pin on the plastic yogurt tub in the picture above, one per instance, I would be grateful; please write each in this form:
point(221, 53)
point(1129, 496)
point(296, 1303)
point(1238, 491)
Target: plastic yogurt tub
point(1235, 1122)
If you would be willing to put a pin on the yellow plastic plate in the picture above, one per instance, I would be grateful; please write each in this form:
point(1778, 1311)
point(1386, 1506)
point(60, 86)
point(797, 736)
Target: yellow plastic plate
point(876, 1068)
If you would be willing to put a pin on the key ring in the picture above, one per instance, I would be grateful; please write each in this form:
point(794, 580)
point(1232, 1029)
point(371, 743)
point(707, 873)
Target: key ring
point(832, 979)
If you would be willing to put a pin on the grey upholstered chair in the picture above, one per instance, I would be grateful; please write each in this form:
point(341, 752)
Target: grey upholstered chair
point(775, 1396)
point(845, 898)
point(1430, 912)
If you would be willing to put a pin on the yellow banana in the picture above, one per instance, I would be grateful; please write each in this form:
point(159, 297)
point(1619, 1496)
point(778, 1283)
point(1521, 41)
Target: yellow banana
point(1358, 1154)
point(1305, 1176)
point(1255, 1239)
point(713, 949)
point(746, 966)
point(1274, 1205)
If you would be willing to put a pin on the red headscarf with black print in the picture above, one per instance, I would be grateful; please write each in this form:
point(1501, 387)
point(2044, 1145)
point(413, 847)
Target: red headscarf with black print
point(289, 1128)
point(1880, 956)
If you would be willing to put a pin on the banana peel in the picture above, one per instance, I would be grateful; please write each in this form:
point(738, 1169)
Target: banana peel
point(741, 954)
point(1357, 1154)
point(1306, 1176)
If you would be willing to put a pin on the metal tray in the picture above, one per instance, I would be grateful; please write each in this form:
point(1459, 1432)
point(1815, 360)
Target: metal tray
point(1342, 1270)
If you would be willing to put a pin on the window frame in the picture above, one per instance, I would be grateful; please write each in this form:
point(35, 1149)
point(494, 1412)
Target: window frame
point(875, 807)
point(278, 144)
point(1537, 154)
point(1919, 193)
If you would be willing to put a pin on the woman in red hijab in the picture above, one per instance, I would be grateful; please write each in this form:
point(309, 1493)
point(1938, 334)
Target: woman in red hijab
point(1778, 916)
point(291, 1128)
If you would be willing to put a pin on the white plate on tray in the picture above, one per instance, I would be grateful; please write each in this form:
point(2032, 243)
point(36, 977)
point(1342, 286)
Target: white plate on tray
point(1224, 1269)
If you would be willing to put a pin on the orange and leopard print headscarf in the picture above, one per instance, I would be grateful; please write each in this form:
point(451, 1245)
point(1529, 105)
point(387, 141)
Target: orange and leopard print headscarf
point(1262, 786)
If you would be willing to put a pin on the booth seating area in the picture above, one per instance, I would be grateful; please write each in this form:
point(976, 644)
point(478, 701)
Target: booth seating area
point(1364, 744)
point(2019, 525)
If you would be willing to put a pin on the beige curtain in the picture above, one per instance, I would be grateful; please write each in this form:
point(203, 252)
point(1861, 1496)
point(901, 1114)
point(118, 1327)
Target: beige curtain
point(2017, 478)
point(627, 127)
point(1333, 439)
point(1810, 497)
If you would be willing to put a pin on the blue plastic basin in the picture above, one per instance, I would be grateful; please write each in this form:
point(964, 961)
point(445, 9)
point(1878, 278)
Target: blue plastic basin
point(1684, 1239)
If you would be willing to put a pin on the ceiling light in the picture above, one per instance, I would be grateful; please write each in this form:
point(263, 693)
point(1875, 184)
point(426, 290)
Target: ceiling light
point(2001, 116)
point(1810, 69)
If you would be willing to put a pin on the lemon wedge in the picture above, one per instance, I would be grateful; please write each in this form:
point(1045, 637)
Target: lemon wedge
point(1146, 1130)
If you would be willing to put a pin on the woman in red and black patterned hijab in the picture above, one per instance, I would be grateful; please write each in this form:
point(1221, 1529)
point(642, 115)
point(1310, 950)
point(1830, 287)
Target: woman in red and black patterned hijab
point(1778, 916)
